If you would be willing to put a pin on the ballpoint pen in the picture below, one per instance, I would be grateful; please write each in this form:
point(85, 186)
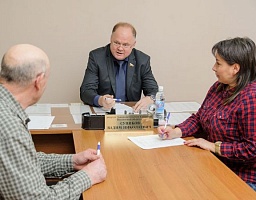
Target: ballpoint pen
point(118, 100)
point(165, 125)
point(167, 119)
point(98, 148)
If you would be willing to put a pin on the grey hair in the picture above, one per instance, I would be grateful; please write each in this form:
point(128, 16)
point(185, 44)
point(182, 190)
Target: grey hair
point(22, 74)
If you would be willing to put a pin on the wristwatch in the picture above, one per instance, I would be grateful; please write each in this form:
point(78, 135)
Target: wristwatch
point(217, 147)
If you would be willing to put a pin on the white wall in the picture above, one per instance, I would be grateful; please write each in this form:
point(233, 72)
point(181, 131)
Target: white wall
point(177, 34)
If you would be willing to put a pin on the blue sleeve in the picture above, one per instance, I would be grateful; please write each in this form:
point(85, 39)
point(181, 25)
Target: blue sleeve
point(96, 100)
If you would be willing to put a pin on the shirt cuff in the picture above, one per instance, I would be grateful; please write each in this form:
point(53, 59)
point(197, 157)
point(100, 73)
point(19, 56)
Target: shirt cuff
point(96, 100)
point(82, 181)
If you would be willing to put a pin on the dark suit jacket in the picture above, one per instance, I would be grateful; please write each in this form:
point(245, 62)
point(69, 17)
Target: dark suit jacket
point(99, 78)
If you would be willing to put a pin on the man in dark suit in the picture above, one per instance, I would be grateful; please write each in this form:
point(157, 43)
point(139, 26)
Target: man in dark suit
point(119, 71)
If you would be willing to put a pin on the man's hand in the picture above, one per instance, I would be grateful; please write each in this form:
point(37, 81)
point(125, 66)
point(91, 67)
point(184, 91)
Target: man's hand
point(92, 164)
point(106, 101)
point(143, 103)
point(96, 170)
point(81, 159)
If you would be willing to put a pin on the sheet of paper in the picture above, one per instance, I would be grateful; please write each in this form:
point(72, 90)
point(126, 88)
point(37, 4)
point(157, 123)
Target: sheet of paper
point(79, 109)
point(59, 105)
point(122, 109)
point(77, 118)
point(39, 109)
point(40, 122)
point(100, 110)
point(59, 125)
point(153, 141)
point(175, 118)
point(182, 106)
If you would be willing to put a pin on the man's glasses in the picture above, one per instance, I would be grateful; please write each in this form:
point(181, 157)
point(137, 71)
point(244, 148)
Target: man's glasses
point(125, 45)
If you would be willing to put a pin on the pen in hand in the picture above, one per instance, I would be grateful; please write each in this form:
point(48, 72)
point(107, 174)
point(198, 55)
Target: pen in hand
point(118, 100)
point(165, 125)
point(98, 149)
point(167, 119)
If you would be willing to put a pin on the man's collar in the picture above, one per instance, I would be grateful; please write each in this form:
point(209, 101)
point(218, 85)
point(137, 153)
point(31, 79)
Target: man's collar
point(126, 59)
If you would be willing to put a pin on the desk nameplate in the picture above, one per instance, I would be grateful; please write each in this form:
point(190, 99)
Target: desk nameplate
point(134, 122)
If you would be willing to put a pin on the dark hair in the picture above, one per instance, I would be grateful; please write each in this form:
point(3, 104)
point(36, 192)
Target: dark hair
point(125, 24)
point(240, 51)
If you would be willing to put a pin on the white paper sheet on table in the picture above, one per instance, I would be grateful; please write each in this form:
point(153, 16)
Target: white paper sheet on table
point(120, 109)
point(79, 109)
point(182, 106)
point(77, 118)
point(100, 110)
point(40, 122)
point(76, 110)
point(39, 109)
point(153, 141)
point(176, 118)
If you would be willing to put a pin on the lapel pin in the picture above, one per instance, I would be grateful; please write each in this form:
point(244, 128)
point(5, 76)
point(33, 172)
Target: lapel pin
point(131, 65)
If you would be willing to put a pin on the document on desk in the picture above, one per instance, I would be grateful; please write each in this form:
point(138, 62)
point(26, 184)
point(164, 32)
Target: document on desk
point(182, 106)
point(100, 110)
point(40, 122)
point(76, 110)
point(175, 118)
point(39, 109)
point(79, 109)
point(153, 141)
point(120, 109)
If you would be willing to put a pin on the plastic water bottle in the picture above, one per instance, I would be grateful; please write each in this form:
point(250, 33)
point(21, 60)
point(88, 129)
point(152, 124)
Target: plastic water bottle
point(160, 103)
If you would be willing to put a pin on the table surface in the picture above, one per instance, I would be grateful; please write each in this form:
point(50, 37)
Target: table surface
point(62, 116)
point(178, 172)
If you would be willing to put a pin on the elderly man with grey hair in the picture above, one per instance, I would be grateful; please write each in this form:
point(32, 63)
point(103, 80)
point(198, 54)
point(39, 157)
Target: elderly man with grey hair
point(23, 76)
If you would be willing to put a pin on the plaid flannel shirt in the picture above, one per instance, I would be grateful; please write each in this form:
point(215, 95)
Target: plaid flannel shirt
point(233, 124)
point(22, 169)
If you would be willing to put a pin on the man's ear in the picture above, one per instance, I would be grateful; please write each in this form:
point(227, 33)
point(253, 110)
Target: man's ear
point(38, 81)
point(134, 43)
point(236, 68)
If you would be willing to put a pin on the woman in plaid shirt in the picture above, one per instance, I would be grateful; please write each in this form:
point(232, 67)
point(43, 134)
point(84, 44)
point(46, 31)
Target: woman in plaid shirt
point(227, 116)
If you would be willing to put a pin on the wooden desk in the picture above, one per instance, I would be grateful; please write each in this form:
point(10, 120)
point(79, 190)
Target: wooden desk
point(57, 140)
point(62, 116)
point(179, 172)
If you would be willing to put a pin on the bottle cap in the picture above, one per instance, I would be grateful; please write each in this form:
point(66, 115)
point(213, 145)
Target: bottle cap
point(160, 88)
